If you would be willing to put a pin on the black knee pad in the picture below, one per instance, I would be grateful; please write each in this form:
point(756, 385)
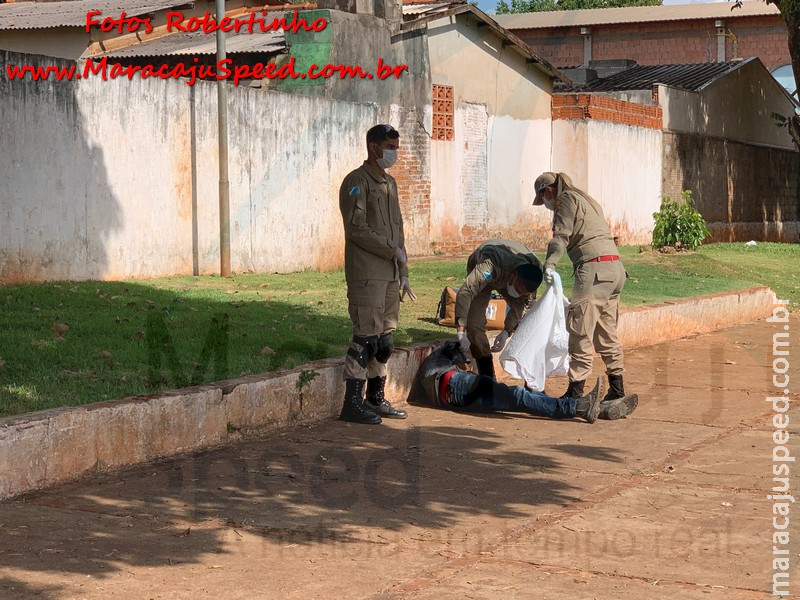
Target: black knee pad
point(369, 346)
point(385, 347)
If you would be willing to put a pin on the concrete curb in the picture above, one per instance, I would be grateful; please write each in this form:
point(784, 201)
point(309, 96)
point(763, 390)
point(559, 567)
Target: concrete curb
point(49, 447)
point(656, 323)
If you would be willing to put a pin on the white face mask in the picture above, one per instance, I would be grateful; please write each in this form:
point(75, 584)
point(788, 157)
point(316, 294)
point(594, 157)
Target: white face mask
point(550, 204)
point(512, 291)
point(388, 159)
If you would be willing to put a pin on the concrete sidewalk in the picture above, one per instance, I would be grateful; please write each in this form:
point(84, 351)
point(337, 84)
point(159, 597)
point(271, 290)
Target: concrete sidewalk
point(669, 503)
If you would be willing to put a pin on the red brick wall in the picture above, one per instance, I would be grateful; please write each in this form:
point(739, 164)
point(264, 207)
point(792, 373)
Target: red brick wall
point(604, 108)
point(412, 173)
point(562, 46)
point(764, 37)
point(668, 42)
point(675, 42)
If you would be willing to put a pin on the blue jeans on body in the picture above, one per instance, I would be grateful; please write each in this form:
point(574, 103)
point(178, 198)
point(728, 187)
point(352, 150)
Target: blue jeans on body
point(474, 393)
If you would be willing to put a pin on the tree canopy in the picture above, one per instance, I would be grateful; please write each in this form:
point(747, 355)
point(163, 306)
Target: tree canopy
point(522, 6)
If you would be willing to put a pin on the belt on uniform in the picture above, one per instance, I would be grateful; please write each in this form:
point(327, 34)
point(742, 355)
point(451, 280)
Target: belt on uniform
point(601, 259)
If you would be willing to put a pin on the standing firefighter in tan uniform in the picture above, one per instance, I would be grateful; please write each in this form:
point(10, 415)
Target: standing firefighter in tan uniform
point(580, 228)
point(504, 266)
point(376, 270)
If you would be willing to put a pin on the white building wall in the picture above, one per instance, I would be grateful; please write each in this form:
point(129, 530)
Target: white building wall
point(119, 179)
point(482, 180)
point(737, 107)
point(519, 153)
point(619, 166)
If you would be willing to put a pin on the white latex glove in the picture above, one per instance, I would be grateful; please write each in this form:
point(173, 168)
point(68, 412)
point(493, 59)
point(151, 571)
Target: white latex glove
point(462, 339)
point(500, 341)
point(400, 256)
point(405, 288)
point(548, 275)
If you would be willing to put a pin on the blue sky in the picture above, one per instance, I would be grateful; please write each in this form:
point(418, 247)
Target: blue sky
point(487, 6)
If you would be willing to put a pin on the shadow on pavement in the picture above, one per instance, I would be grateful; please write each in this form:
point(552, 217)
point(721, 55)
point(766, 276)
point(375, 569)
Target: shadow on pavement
point(328, 484)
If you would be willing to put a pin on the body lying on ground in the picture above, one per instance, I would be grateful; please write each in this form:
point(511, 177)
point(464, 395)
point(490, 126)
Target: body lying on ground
point(441, 383)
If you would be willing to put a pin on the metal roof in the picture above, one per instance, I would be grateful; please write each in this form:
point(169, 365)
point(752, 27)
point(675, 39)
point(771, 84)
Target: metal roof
point(635, 14)
point(691, 77)
point(198, 43)
point(72, 13)
point(417, 16)
point(421, 8)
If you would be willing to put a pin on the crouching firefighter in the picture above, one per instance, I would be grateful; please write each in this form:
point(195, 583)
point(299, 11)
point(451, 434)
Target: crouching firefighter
point(508, 268)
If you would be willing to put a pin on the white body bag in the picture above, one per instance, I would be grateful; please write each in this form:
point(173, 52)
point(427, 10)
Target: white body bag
point(540, 346)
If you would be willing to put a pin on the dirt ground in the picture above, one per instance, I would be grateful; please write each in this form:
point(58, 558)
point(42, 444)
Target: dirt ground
point(669, 503)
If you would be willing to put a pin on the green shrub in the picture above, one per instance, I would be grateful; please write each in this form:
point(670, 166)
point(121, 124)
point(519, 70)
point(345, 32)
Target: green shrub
point(678, 224)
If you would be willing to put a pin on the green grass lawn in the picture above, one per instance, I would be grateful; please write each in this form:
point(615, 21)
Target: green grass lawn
point(76, 343)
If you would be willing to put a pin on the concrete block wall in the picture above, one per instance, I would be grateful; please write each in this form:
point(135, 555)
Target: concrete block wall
point(759, 203)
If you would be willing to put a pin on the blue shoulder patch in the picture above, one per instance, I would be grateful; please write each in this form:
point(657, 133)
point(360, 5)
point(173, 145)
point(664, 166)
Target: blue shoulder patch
point(487, 275)
point(355, 190)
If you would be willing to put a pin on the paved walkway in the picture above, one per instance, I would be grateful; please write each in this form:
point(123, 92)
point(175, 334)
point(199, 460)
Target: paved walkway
point(669, 503)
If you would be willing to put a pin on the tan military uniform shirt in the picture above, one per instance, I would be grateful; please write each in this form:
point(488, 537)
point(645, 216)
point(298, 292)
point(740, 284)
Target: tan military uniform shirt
point(580, 228)
point(373, 226)
point(492, 265)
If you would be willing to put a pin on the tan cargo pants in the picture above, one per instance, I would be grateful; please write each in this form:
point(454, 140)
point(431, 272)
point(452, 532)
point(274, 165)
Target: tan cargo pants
point(592, 318)
point(476, 324)
point(476, 320)
point(374, 307)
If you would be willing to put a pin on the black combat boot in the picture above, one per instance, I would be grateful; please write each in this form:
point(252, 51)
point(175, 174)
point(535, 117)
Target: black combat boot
point(485, 366)
point(588, 406)
point(615, 388)
point(377, 402)
point(574, 390)
point(353, 409)
point(616, 404)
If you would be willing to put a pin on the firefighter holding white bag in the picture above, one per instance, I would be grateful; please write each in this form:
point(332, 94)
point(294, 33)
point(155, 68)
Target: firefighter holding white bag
point(580, 229)
point(540, 347)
